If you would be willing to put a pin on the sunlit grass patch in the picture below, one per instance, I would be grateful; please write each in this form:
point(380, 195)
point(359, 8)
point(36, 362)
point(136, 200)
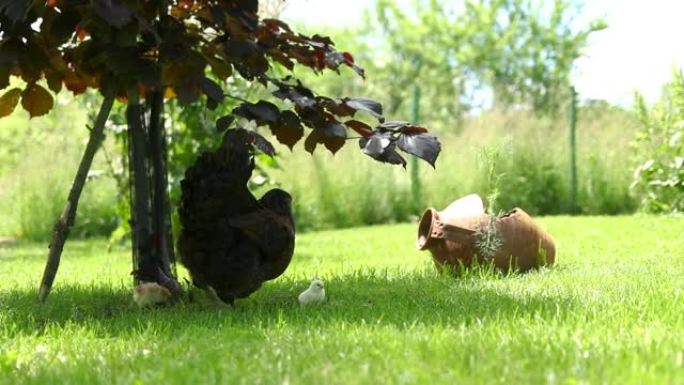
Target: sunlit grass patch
point(610, 311)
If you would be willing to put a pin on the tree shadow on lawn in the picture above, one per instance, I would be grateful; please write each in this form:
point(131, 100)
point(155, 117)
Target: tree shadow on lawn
point(399, 301)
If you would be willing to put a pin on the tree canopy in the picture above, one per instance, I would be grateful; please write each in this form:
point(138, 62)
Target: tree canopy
point(467, 54)
point(186, 48)
point(143, 52)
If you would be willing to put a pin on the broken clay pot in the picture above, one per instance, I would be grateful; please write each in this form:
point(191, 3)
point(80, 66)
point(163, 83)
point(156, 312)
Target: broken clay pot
point(454, 237)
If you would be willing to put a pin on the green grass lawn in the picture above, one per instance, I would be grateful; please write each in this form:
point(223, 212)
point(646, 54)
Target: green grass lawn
point(611, 311)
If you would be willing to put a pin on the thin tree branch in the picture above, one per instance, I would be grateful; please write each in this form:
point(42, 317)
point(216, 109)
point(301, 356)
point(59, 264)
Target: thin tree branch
point(61, 229)
point(236, 98)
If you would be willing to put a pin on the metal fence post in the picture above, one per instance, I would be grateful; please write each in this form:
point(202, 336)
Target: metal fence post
point(573, 150)
point(415, 178)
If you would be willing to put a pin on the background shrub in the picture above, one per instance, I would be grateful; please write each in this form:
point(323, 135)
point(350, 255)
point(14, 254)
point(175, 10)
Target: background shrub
point(659, 179)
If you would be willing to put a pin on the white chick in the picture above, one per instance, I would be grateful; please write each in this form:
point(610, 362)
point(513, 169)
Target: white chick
point(315, 294)
point(150, 293)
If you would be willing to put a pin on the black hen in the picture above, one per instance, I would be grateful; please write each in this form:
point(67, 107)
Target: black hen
point(230, 241)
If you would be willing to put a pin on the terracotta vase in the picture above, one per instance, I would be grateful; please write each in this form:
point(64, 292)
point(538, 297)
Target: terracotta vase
point(454, 236)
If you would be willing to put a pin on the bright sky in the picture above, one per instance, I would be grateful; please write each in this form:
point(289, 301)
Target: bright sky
point(643, 43)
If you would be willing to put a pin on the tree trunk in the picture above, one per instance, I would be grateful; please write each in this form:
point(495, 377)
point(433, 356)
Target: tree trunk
point(140, 192)
point(61, 229)
point(168, 231)
point(151, 262)
point(161, 213)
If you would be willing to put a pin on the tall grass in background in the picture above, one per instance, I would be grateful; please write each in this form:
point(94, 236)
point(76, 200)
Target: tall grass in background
point(39, 161)
point(344, 190)
point(39, 158)
point(351, 189)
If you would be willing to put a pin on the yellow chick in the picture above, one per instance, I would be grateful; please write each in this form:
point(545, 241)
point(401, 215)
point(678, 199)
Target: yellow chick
point(150, 293)
point(315, 294)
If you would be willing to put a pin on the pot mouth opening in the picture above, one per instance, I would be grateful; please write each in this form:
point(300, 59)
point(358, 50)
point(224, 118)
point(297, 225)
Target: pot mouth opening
point(425, 229)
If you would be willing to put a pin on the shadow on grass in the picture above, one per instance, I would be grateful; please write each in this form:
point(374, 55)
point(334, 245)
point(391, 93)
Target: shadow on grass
point(364, 298)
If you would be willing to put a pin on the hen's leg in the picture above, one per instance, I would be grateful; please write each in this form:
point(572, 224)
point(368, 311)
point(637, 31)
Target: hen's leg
point(201, 292)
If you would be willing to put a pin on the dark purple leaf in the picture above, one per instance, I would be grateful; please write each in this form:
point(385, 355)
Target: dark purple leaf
point(360, 71)
point(212, 104)
point(393, 125)
point(318, 39)
point(336, 106)
point(349, 60)
point(312, 116)
point(262, 112)
point(243, 16)
point(8, 101)
point(389, 155)
point(413, 130)
point(4, 77)
point(333, 144)
point(10, 51)
point(247, 57)
point(32, 61)
point(36, 100)
point(300, 96)
point(376, 144)
point(311, 141)
point(424, 146)
point(128, 62)
point(224, 122)
point(211, 89)
point(54, 80)
point(276, 25)
point(281, 58)
point(14, 10)
point(334, 59)
point(360, 127)
point(186, 92)
point(332, 129)
point(64, 25)
point(288, 130)
point(265, 111)
point(364, 104)
point(127, 36)
point(219, 67)
point(261, 144)
point(113, 12)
